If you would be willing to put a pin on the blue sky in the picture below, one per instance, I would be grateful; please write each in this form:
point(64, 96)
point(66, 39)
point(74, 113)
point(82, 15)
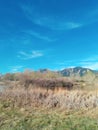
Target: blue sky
point(52, 34)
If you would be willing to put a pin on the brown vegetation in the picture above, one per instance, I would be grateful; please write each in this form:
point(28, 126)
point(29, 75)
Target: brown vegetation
point(30, 89)
point(49, 83)
point(39, 97)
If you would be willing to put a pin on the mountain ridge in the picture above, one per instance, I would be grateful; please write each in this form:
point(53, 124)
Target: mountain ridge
point(75, 71)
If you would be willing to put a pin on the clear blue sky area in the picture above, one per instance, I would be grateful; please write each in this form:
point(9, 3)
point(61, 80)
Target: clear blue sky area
point(52, 34)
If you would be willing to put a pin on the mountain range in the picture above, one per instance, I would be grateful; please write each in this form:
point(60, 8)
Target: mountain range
point(69, 72)
point(77, 71)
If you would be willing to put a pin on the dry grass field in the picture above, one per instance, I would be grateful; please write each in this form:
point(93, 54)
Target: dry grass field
point(39, 109)
point(58, 98)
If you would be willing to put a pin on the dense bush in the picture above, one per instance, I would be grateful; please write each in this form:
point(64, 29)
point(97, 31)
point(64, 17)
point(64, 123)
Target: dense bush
point(49, 83)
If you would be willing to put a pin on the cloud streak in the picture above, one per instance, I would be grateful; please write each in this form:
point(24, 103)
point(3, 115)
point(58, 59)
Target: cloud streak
point(58, 23)
point(14, 69)
point(48, 21)
point(30, 55)
point(90, 62)
point(39, 36)
point(91, 65)
point(55, 24)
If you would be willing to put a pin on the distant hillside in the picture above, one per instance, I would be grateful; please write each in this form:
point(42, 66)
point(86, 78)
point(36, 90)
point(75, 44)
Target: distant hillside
point(79, 76)
point(80, 73)
point(77, 71)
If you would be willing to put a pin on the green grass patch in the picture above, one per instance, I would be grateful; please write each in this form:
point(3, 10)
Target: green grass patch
point(45, 119)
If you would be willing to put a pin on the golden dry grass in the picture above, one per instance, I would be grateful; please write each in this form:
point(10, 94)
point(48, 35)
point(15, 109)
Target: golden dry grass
point(59, 98)
point(39, 109)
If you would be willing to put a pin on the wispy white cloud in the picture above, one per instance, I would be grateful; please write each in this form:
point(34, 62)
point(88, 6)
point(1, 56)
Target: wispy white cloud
point(48, 21)
point(91, 65)
point(90, 62)
point(15, 68)
point(30, 55)
point(93, 58)
point(72, 25)
point(39, 35)
point(56, 24)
